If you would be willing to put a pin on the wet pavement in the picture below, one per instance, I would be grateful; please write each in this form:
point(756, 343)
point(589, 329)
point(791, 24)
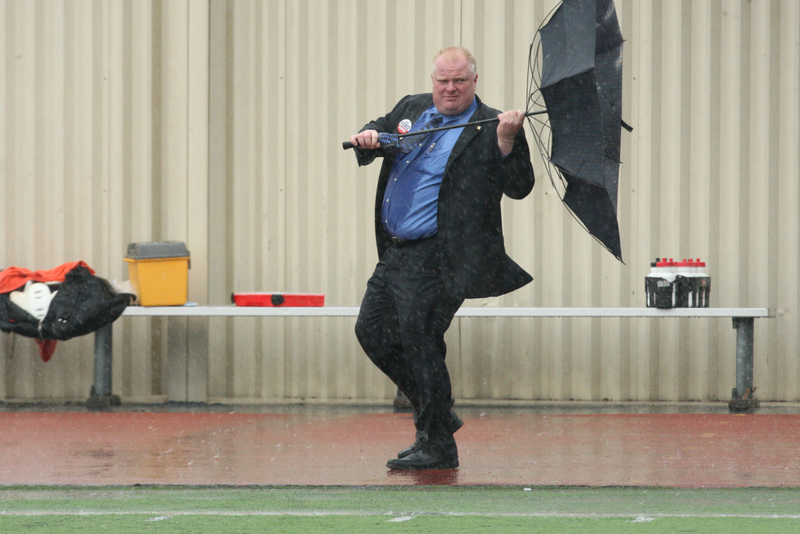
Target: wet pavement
point(324, 445)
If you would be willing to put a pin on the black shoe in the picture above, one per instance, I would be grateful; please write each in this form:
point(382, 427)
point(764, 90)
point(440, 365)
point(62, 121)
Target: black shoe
point(423, 458)
point(408, 451)
point(454, 423)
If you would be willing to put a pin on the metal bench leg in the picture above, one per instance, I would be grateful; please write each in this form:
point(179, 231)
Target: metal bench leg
point(742, 398)
point(100, 395)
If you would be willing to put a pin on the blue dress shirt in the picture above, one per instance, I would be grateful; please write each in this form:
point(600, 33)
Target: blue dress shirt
point(411, 202)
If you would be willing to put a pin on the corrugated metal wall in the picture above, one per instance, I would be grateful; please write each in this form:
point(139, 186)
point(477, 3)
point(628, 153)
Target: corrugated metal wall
point(219, 124)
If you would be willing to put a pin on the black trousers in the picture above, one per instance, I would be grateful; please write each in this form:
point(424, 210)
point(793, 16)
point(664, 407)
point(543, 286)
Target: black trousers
point(401, 325)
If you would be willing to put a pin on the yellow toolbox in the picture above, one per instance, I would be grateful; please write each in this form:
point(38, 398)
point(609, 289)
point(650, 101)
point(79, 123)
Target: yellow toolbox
point(159, 271)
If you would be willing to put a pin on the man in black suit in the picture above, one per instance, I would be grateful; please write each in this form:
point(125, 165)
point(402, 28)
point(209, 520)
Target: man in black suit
point(439, 235)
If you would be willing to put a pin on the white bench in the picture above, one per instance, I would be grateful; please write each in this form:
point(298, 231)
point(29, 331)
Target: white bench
point(743, 321)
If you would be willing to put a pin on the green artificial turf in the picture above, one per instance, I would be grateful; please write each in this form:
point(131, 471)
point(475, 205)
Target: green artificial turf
point(397, 509)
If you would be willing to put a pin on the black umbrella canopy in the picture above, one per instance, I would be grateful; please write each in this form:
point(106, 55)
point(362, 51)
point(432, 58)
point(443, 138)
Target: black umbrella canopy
point(581, 83)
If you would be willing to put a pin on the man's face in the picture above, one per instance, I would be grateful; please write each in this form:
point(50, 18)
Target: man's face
point(453, 84)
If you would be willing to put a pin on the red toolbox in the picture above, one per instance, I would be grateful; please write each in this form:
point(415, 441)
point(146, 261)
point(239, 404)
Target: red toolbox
point(278, 299)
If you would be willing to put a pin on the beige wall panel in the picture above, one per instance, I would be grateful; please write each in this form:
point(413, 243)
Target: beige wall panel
point(727, 224)
point(133, 353)
point(5, 182)
point(761, 201)
point(174, 172)
point(630, 284)
point(636, 170)
point(784, 345)
point(272, 222)
point(5, 179)
point(244, 179)
point(219, 167)
point(20, 36)
point(698, 174)
point(197, 196)
point(219, 123)
point(667, 70)
point(309, 184)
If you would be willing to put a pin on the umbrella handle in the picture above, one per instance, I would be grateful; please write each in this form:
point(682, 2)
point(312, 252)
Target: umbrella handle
point(348, 145)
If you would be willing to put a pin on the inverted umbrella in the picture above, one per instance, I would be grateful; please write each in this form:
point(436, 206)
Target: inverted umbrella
point(581, 84)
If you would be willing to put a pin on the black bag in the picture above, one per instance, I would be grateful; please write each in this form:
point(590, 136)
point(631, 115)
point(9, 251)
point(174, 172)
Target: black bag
point(84, 304)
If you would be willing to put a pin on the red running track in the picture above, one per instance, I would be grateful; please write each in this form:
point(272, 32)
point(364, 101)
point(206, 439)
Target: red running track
point(124, 448)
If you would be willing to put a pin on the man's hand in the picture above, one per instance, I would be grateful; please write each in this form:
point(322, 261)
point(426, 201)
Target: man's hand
point(367, 139)
point(510, 123)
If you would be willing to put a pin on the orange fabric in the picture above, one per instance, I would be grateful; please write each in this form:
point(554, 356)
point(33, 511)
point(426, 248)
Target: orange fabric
point(16, 277)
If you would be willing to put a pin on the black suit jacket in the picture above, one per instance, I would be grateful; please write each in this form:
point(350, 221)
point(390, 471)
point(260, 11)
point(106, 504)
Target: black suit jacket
point(469, 222)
